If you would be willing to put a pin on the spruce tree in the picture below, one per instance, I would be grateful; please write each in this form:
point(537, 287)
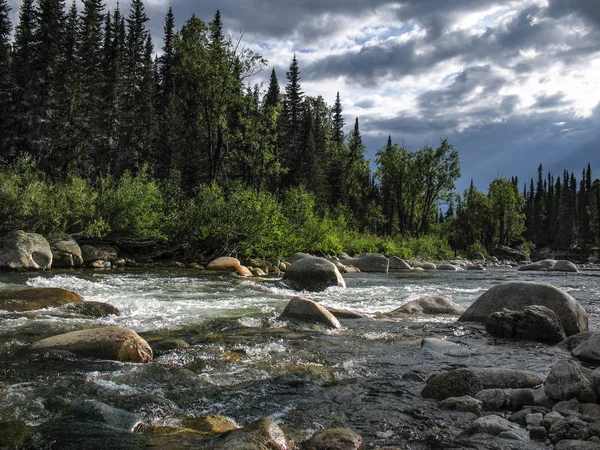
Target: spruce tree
point(272, 96)
point(5, 80)
point(337, 134)
point(292, 127)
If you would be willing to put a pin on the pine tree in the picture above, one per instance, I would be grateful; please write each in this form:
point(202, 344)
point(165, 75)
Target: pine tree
point(337, 134)
point(5, 80)
point(357, 177)
point(292, 127)
point(272, 96)
point(539, 210)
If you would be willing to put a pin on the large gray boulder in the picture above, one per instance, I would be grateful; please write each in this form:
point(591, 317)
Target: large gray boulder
point(313, 274)
point(116, 343)
point(92, 254)
point(504, 378)
point(430, 304)
point(302, 308)
point(532, 323)
point(66, 253)
point(544, 264)
point(568, 380)
point(398, 264)
point(25, 251)
point(368, 262)
point(564, 266)
point(589, 349)
point(453, 383)
point(515, 295)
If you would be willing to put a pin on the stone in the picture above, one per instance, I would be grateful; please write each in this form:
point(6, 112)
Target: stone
point(507, 253)
point(228, 264)
point(568, 408)
point(436, 347)
point(538, 433)
point(515, 295)
point(575, 444)
point(475, 267)
point(209, 424)
point(347, 314)
point(541, 399)
point(20, 300)
point(592, 410)
point(564, 266)
point(260, 434)
point(453, 383)
point(567, 380)
point(116, 343)
point(449, 267)
point(551, 418)
point(398, 264)
point(66, 253)
point(499, 377)
point(588, 350)
point(93, 309)
point(307, 310)
point(492, 425)
point(465, 403)
point(544, 264)
point(428, 266)
point(368, 262)
point(532, 323)
point(575, 340)
point(334, 439)
point(313, 274)
point(95, 411)
point(24, 251)
point(92, 253)
point(534, 419)
point(521, 397)
point(431, 304)
point(167, 345)
point(493, 399)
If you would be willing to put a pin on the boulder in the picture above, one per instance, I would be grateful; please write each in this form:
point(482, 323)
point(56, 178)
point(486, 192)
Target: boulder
point(334, 439)
point(575, 340)
point(93, 309)
point(66, 253)
point(25, 251)
point(92, 254)
point(492, 425)
point(423, 265)
point(116, 343)
point(228, 264)
point(347, 314)
point(20, 300)
point(369, 262)
point(398, 264)
point(295, 258)
point(511, 254)
point(500, 377)
point(313, 274)
point(544, 264)
point(589, 349)
point(475, 267)
point(447, 267)
point(515, 295)
point(260, 434)
point(435, 347)
point(568, 380)
point(564, 266)
point(453, 383)
point(430, 304)
point(209, 424)
point(494, 399)
point(462, 404)
point(532, 323)
point(576, 444)
point(307, 310)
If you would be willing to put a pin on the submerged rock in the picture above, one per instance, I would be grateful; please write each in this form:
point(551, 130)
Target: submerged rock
point(209, 424)
point(313, 274)
point(515, 295)
point(94, 309)
point(307, 310)
point(19, 300)
point(533, 323)
point(334, 439)
point(26, 251)
point(117, 343)
point(430, 304)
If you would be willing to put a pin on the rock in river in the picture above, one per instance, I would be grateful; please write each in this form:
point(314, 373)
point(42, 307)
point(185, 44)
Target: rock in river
point(66, 253)
point(568, 380)
point(369, 262)
point(116, 343)
point(430, 304)
point(305, 309)
point(28, 251)
point(515, 295)
point(228, 264)
point(334, 439)
point(313, 274)
point(533, 323)
point(20, 300)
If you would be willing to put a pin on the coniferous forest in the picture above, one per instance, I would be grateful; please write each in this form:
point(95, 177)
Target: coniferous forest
point(100, 137)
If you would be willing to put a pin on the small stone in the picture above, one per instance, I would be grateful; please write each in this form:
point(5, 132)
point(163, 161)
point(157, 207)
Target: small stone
point(463, 404)
point(538, 433)
point(534, 419)
point(520, 398)
point(334, 439)
point(551, 418)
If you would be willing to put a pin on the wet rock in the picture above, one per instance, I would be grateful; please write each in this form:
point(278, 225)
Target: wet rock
point(93, 309)
point(493, 399)
point(167, 345)
point(534, 419)
point(576, 339)
point(550, 419)
point(465, 403)
point(454, 383)
point(92, 410)
point(573, 444)
point(588, 350)
point(334, 439)
point(260, 434)
point(564, 266)
point(66, 253)
point(544, 264)
point(568, 408)
point(92, 254)
point(515, 295)
point(532, 323)
point(508, 253)
point(492, 425)
point(591, 410)
point(347, 314)
point(475, 267)
point(313, 274)
point(24, 251)
point(438, 347)
point(499, 377)
point(567, 380)
point(541, 399)
point(116, 343)
point(398, 264)
point(31, 299)
point(369, 262)
point(431, 304)
point(307, 310)
point(228, 264)
point(449, 267)
point(209, 424)
point(538, 433)
point(520, 398)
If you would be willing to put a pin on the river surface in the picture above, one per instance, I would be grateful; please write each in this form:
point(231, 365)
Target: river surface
point(245, 363)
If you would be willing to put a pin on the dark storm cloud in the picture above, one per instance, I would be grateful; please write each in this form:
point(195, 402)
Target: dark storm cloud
point(589, 10)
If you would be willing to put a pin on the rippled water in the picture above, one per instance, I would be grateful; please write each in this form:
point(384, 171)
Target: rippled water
point(242, 359)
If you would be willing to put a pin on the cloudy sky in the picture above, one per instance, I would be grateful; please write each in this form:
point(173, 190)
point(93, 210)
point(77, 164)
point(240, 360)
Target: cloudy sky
point(509, 83)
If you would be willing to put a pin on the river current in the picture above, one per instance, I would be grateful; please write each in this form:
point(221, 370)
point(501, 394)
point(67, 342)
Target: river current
point(244, 362)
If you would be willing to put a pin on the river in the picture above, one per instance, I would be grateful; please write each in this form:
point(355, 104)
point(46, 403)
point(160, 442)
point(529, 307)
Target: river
point(244, 362)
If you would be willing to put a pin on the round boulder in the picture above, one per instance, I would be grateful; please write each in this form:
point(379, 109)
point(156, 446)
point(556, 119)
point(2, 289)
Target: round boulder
point(568, 380)
point(515, 295)
point(228, 264)
point(26, 251)
point(334, 439)
point(116, 343)
point(20, 300)
point(66, 253)
point(533, 323)
point(564, 266)
point(313, 274)
point(260, 434)
point(97, 255)
point(307, 310)
point(369, 262)
point(544, 264)
point(454, 383)
point(430, 304)
point(398, 264)
point(447, 267)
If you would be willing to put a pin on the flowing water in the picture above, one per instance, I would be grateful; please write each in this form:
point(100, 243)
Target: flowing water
point(244, 362)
